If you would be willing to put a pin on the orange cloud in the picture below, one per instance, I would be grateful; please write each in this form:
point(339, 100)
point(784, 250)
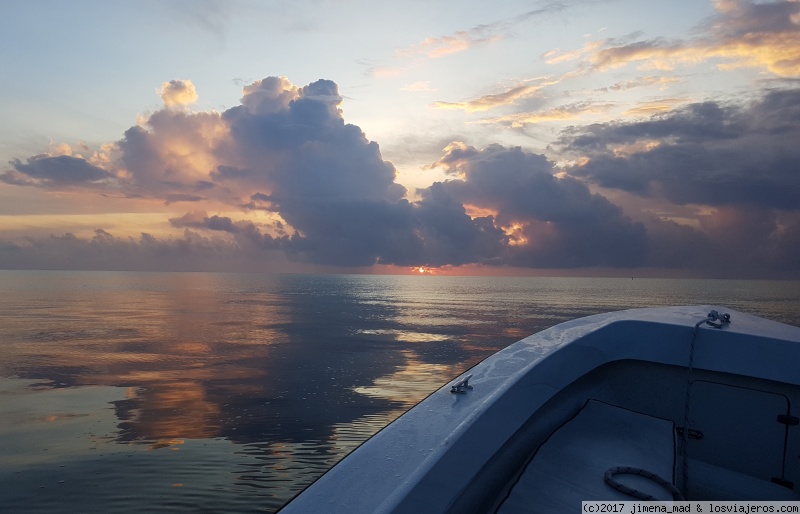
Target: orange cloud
point(475, 211)
point(436, 47)
point(557, 56)
point(561, 113)
point(744, 34)
point(777, 53)
point(487, 102)
point(178, 93)
point(509, 97)
point(655, 106)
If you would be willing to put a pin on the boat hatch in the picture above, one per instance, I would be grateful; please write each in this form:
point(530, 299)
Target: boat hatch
point(740, 429)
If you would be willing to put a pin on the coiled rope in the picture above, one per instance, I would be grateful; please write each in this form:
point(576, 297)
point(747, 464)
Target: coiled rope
point(630, 491)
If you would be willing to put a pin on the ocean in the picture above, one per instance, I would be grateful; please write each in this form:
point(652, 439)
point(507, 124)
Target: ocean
point(208, 392)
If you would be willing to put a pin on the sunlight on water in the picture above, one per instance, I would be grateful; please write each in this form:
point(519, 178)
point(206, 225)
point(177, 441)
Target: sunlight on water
point(152, 392)
point(411, 383)
point(405, 336)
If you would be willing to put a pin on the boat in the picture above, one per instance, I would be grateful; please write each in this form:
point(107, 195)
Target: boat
point(670, 403)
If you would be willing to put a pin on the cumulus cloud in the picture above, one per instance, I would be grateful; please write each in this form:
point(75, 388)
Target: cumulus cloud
point(554, 222)
point(177, 93)
point(270, 95)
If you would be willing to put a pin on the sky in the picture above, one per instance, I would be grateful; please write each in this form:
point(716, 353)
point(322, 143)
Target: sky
point(573, 137)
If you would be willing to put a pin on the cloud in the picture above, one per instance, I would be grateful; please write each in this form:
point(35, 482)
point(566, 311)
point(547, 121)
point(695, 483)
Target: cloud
point(734, 164)
point(181, 197)
point(311, 188)
point(707, 153)
point(178, 93)
point(173, 155)
point(287, 150)
point(201, 220)
point(651, 107)
point(559, 222)
point(508, 97)
point(740, 34)
point(641, 82)
point(270, 95)
point(49, 171)
point(572, 111)
point(107, 252)
point(249, 238)
point(487, 102)
point(436, 47)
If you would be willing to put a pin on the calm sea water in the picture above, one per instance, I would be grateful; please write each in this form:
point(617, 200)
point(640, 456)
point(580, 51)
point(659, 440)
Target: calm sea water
point(193, 392)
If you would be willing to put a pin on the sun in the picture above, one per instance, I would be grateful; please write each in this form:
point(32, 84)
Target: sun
point(423, 270)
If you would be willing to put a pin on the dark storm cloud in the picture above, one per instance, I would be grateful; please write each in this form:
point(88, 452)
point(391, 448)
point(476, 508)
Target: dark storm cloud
point(49, 171)
point(736, 241)
point(559, 222)
point(320, 174)
point(434, 232)
point(708, 153)
point(451, 236)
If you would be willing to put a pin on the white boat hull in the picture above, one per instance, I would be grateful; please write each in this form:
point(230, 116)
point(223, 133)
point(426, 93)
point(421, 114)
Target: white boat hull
point(465, 452)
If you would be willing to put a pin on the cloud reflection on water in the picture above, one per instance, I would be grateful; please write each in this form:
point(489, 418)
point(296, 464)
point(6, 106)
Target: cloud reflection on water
point(296, 370)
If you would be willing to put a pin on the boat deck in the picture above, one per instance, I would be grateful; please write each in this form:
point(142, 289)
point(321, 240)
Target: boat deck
point(570, 467)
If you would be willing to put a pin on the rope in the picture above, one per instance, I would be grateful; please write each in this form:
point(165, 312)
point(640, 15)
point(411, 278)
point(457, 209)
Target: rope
point(716, 320)
point(685, 431)
point(630, 491)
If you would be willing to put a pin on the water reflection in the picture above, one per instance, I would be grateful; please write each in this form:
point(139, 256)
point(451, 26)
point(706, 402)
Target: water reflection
point(275, 368)
point(234, 391)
